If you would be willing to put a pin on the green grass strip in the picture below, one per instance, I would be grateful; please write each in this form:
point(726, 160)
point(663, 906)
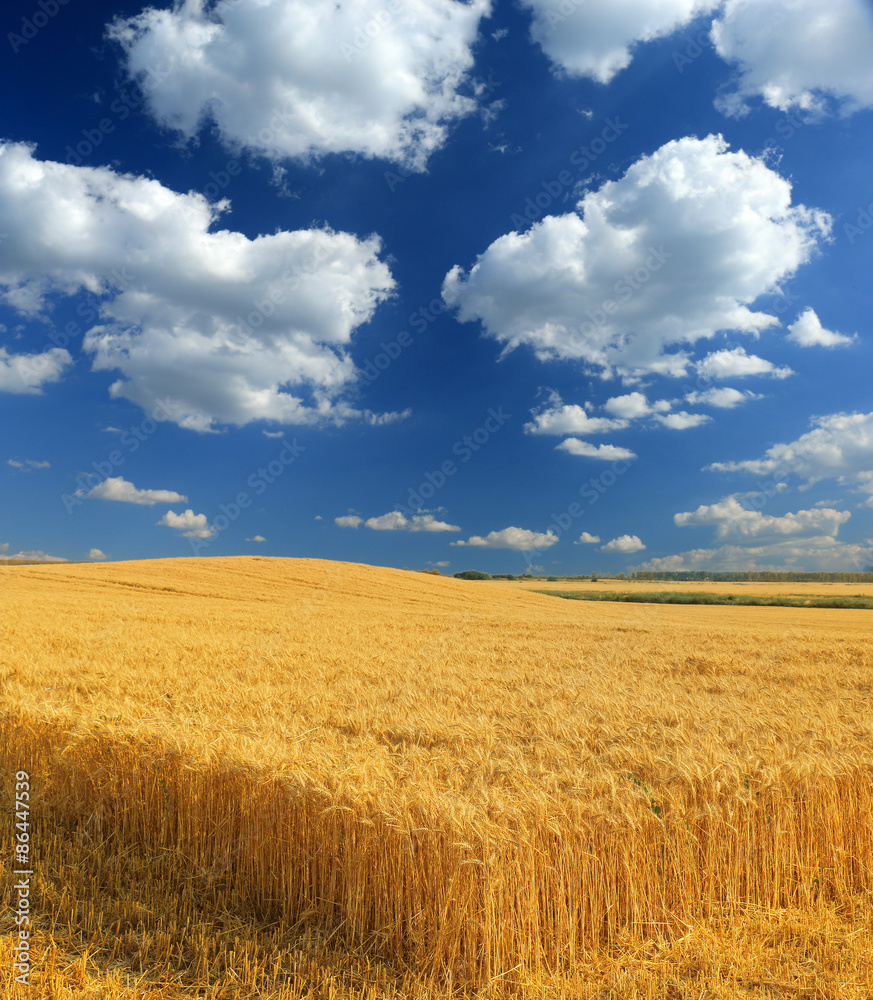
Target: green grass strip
point(853, 601)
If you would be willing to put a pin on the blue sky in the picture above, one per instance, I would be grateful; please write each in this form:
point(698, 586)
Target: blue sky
point(537, 286)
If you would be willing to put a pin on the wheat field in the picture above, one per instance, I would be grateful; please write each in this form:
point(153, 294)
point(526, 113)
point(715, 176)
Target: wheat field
point(292, 778)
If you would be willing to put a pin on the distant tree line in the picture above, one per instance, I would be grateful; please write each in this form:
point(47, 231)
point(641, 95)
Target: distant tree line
point(687, 575)
point(755, 576)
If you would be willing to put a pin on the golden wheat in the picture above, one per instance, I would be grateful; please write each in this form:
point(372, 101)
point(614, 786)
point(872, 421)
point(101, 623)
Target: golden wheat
point(464, 785)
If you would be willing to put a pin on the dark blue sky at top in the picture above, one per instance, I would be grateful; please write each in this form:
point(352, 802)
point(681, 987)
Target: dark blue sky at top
point(58, 87)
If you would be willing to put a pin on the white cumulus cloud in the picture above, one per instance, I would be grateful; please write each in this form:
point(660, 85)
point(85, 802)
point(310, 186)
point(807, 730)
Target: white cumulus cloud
point(28, 373)
point(348, 521)
point(736, 363)
point(570, 418)
point(303, 78)
point(675, 251)
point(29, 464)
point(624, 543)
point(587, 539)
point(584, 449)
point(230, 329)
point(797, 54)
point(96, 555)
point(682, 420)
point(427, 522)
point(396, 521)
point(37, 555)
point(517, 539)
point(820, 554)
point(803, 540)
point(730, 517)
point(864, 484)
point(634, 405)
point(118, 488)
point(840, 446)
point(807, 331)
point(190, 524)
point(723, 397)
point(594, 38)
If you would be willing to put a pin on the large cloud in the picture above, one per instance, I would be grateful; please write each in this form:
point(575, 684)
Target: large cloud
point(732, 518)
point(840, 446)
point(798, 540)
point(231, 329)
point(594, 37)
point(300, 78)
point(797, 53)
point(676, 250)
point(820, 554)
